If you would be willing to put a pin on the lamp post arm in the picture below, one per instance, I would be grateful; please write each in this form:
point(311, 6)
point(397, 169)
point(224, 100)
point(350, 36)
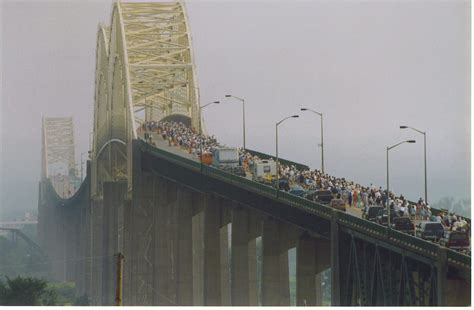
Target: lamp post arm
point(417, 130)
point(206, 105)
point(320, 114)
point(241, 99)
point(283, 120)
point(394, 146)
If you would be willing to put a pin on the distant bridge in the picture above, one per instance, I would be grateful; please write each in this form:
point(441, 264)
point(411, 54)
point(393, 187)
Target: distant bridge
point(15, 233)
point(171, 217)
point(17, 224)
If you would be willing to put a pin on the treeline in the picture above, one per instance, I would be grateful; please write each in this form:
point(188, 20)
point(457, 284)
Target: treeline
point(461, 206)
point(26, 291)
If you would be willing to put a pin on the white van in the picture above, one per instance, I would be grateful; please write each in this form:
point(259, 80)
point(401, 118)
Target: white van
point(263, 169)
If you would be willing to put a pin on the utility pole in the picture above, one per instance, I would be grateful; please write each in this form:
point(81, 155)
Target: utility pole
point(118, 289)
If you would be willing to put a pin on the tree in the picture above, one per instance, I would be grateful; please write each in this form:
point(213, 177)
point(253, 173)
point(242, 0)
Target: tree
point(82, 301)
point(26, 292)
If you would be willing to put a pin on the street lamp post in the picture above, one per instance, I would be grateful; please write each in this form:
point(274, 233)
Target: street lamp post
point(424, 140)
point(243, 114)
point(200, 127)
point(276, 151)
point(322, 136)
point(388, 187)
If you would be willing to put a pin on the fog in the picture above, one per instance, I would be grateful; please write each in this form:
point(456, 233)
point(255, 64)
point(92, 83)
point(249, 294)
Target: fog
point(368, 66)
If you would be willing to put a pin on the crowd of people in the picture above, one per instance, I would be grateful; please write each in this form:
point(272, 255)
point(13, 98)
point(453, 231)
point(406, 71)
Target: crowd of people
point(178, 134)
point(353, 194)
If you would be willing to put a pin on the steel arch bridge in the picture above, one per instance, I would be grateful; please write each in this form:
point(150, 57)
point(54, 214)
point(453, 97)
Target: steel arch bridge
point(172, 217)
point(144, 72)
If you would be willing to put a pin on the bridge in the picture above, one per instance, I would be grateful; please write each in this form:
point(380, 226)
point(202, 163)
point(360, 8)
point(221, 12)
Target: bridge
point(189, 231)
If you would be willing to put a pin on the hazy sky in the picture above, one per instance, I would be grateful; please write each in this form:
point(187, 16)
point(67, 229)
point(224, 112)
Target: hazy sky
point(369, 66)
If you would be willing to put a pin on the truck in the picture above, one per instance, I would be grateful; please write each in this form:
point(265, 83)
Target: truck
point(227, 158)
point(264, 171)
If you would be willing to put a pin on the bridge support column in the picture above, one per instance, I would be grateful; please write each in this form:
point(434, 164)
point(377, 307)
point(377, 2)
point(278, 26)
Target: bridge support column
point(458, 292)
point(143, 228)
point(162, 284)
point(312, 258)
point(96, 252)
point(450, 291)
point(82, 253)
point(226, 299)
point(128, 277)
point(306, 271)
point(240, 260)
point(335, 270)
point(212, 266)
point(88, 263)
point(255, 231)
point(185, 253)
point(275, 273)
point(253, 288)
point(198, 252)
point(114, 195)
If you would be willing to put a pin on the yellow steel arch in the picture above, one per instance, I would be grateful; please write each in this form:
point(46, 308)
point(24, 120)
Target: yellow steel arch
point(144, 72)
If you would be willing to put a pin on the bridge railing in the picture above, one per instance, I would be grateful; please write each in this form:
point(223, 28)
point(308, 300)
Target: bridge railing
point(459, 259)
point(281, 160)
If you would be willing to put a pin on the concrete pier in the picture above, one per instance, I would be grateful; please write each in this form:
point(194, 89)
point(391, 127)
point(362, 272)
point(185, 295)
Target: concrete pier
point(240, 260)
point(212, 277)
point(114, 197)
point(184, 294)
point(275, 273)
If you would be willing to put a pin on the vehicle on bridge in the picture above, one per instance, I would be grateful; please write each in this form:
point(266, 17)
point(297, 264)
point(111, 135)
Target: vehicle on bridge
point(227, 159)
point(297, 190)
point(403, 224)
point(320, 196)
point(371, 214)
point(263, 170)
point(430, 231)
point(456, 240)
point(338, 204)
point(283, 184)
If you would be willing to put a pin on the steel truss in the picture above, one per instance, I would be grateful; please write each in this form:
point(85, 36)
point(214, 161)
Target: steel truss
point(144, 72)
point(375, 276)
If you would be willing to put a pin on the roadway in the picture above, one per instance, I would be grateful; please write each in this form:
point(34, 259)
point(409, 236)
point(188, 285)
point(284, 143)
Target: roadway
point(164, 145)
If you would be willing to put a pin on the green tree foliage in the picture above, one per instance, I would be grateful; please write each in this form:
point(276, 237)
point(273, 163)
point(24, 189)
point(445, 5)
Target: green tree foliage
point(65, 292)
point(26, 292)
point(82, 301)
